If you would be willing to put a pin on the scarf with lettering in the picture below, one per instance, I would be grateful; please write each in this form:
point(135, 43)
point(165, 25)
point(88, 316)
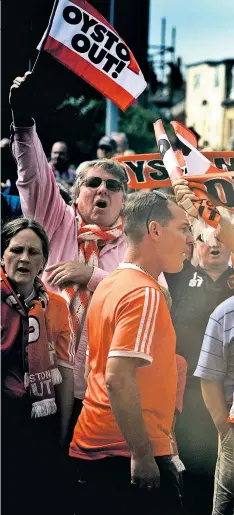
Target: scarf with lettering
point(40, 363)
point(90, 239)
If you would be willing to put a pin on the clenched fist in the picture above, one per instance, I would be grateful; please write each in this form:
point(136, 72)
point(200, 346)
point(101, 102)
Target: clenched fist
point(20, 98)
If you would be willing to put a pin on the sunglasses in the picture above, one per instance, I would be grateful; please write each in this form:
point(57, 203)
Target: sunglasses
point(95, 182)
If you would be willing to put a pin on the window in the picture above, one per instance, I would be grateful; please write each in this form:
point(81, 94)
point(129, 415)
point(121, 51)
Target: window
point(231, 128)
point(232, 85)
point(196, 81)
point(216, 77)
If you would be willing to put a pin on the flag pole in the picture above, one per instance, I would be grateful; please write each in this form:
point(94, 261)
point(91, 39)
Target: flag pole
point(46, 33)
point(111, 108)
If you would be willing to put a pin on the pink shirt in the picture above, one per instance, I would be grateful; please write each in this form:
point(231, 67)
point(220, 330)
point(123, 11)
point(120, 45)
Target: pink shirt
point(41, 200)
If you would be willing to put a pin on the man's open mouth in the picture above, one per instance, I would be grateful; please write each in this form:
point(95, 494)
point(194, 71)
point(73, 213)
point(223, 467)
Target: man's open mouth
point(23, 269)
point(101, 203)
point(215, 252)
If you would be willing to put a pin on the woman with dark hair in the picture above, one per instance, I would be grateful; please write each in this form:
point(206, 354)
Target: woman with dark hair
point(35, 346)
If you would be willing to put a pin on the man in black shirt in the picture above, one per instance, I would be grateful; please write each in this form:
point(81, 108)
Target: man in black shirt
point(196, 292)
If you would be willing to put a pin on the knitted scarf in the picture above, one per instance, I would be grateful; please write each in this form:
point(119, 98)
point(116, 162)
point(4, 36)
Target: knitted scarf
point(231, 414)
point(90, 238)
point(40, 363)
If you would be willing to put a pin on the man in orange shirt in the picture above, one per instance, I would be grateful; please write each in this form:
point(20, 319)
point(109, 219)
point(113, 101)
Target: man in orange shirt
point(122, 440)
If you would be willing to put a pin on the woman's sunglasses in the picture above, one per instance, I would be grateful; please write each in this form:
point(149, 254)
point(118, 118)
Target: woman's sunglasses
point(95, 182)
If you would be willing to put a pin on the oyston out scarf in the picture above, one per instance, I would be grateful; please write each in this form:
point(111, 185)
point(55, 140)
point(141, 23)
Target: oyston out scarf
point(90, 239)
point(40, 363)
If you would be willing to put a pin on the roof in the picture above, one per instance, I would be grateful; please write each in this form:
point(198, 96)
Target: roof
point(212, 63)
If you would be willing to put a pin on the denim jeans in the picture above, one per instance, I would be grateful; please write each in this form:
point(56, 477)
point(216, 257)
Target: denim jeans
point(224, 476)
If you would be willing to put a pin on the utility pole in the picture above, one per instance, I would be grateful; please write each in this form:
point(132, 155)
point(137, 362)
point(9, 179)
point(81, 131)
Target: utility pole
point(111, 109)
point(173, 43)
point(159, 51)
point(163, 46)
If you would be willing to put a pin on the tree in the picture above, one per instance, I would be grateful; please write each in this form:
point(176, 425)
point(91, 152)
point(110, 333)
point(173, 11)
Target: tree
point(137, 122)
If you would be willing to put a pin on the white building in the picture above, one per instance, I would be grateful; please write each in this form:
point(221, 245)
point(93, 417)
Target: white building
point(209, 103)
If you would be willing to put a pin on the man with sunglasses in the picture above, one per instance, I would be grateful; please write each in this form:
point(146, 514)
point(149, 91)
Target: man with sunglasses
point(86, 239)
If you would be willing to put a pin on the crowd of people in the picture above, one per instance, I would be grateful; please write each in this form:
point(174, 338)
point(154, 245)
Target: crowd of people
point(113, 306)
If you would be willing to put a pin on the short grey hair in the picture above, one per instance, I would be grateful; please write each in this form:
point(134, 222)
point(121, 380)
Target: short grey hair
point(121, 135)
point(141, 209)
point(110, 166)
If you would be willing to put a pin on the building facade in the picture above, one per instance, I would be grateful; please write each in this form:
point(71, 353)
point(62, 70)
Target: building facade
point(209, 103)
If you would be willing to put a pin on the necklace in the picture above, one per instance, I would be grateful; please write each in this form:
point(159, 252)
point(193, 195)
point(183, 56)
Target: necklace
point(138, 267)
point(162, 288)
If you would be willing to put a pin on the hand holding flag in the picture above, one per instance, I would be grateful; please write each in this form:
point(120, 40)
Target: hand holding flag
point(197, 202)
point(21, 99)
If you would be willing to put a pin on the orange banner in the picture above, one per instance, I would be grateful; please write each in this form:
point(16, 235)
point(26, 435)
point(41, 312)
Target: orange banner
point(148, 171)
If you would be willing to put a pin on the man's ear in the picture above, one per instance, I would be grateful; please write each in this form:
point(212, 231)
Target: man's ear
point(154, 230)
point(77, 194)
point(123, 206)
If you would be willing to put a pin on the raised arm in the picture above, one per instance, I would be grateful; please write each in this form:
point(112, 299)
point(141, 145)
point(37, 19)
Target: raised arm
point(39, 193)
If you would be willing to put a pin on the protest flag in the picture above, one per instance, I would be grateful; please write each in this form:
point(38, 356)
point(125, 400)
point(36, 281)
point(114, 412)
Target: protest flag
point(83, 40)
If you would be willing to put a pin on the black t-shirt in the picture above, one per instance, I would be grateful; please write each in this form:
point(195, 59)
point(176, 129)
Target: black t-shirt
point(194, 297)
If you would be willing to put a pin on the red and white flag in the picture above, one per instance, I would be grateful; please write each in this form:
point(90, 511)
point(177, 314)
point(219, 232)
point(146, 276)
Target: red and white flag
point(81, 39)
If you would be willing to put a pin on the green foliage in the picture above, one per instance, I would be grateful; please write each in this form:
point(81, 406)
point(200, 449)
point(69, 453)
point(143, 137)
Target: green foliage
point(84, 120)
point(138, 122)
point(80, 121)
point(79, 103)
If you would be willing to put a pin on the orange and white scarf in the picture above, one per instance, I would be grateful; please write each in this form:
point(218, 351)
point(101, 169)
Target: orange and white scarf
point(90, 238)
point(231, 414)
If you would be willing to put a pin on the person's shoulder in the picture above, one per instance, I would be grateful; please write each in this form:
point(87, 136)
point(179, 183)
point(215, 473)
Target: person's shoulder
point(134, 278)
point(56, 300)
point(224, 309)
point(187, 270)
point(230, 278)
point(128, 282)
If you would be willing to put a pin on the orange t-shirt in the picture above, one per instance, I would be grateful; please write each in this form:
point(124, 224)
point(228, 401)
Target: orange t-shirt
point(128, 316)
point(58, 317)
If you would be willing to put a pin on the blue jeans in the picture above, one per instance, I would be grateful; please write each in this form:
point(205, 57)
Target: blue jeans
point(223, 503)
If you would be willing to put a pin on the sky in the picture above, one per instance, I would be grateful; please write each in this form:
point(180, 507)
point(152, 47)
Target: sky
point(204, 28)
